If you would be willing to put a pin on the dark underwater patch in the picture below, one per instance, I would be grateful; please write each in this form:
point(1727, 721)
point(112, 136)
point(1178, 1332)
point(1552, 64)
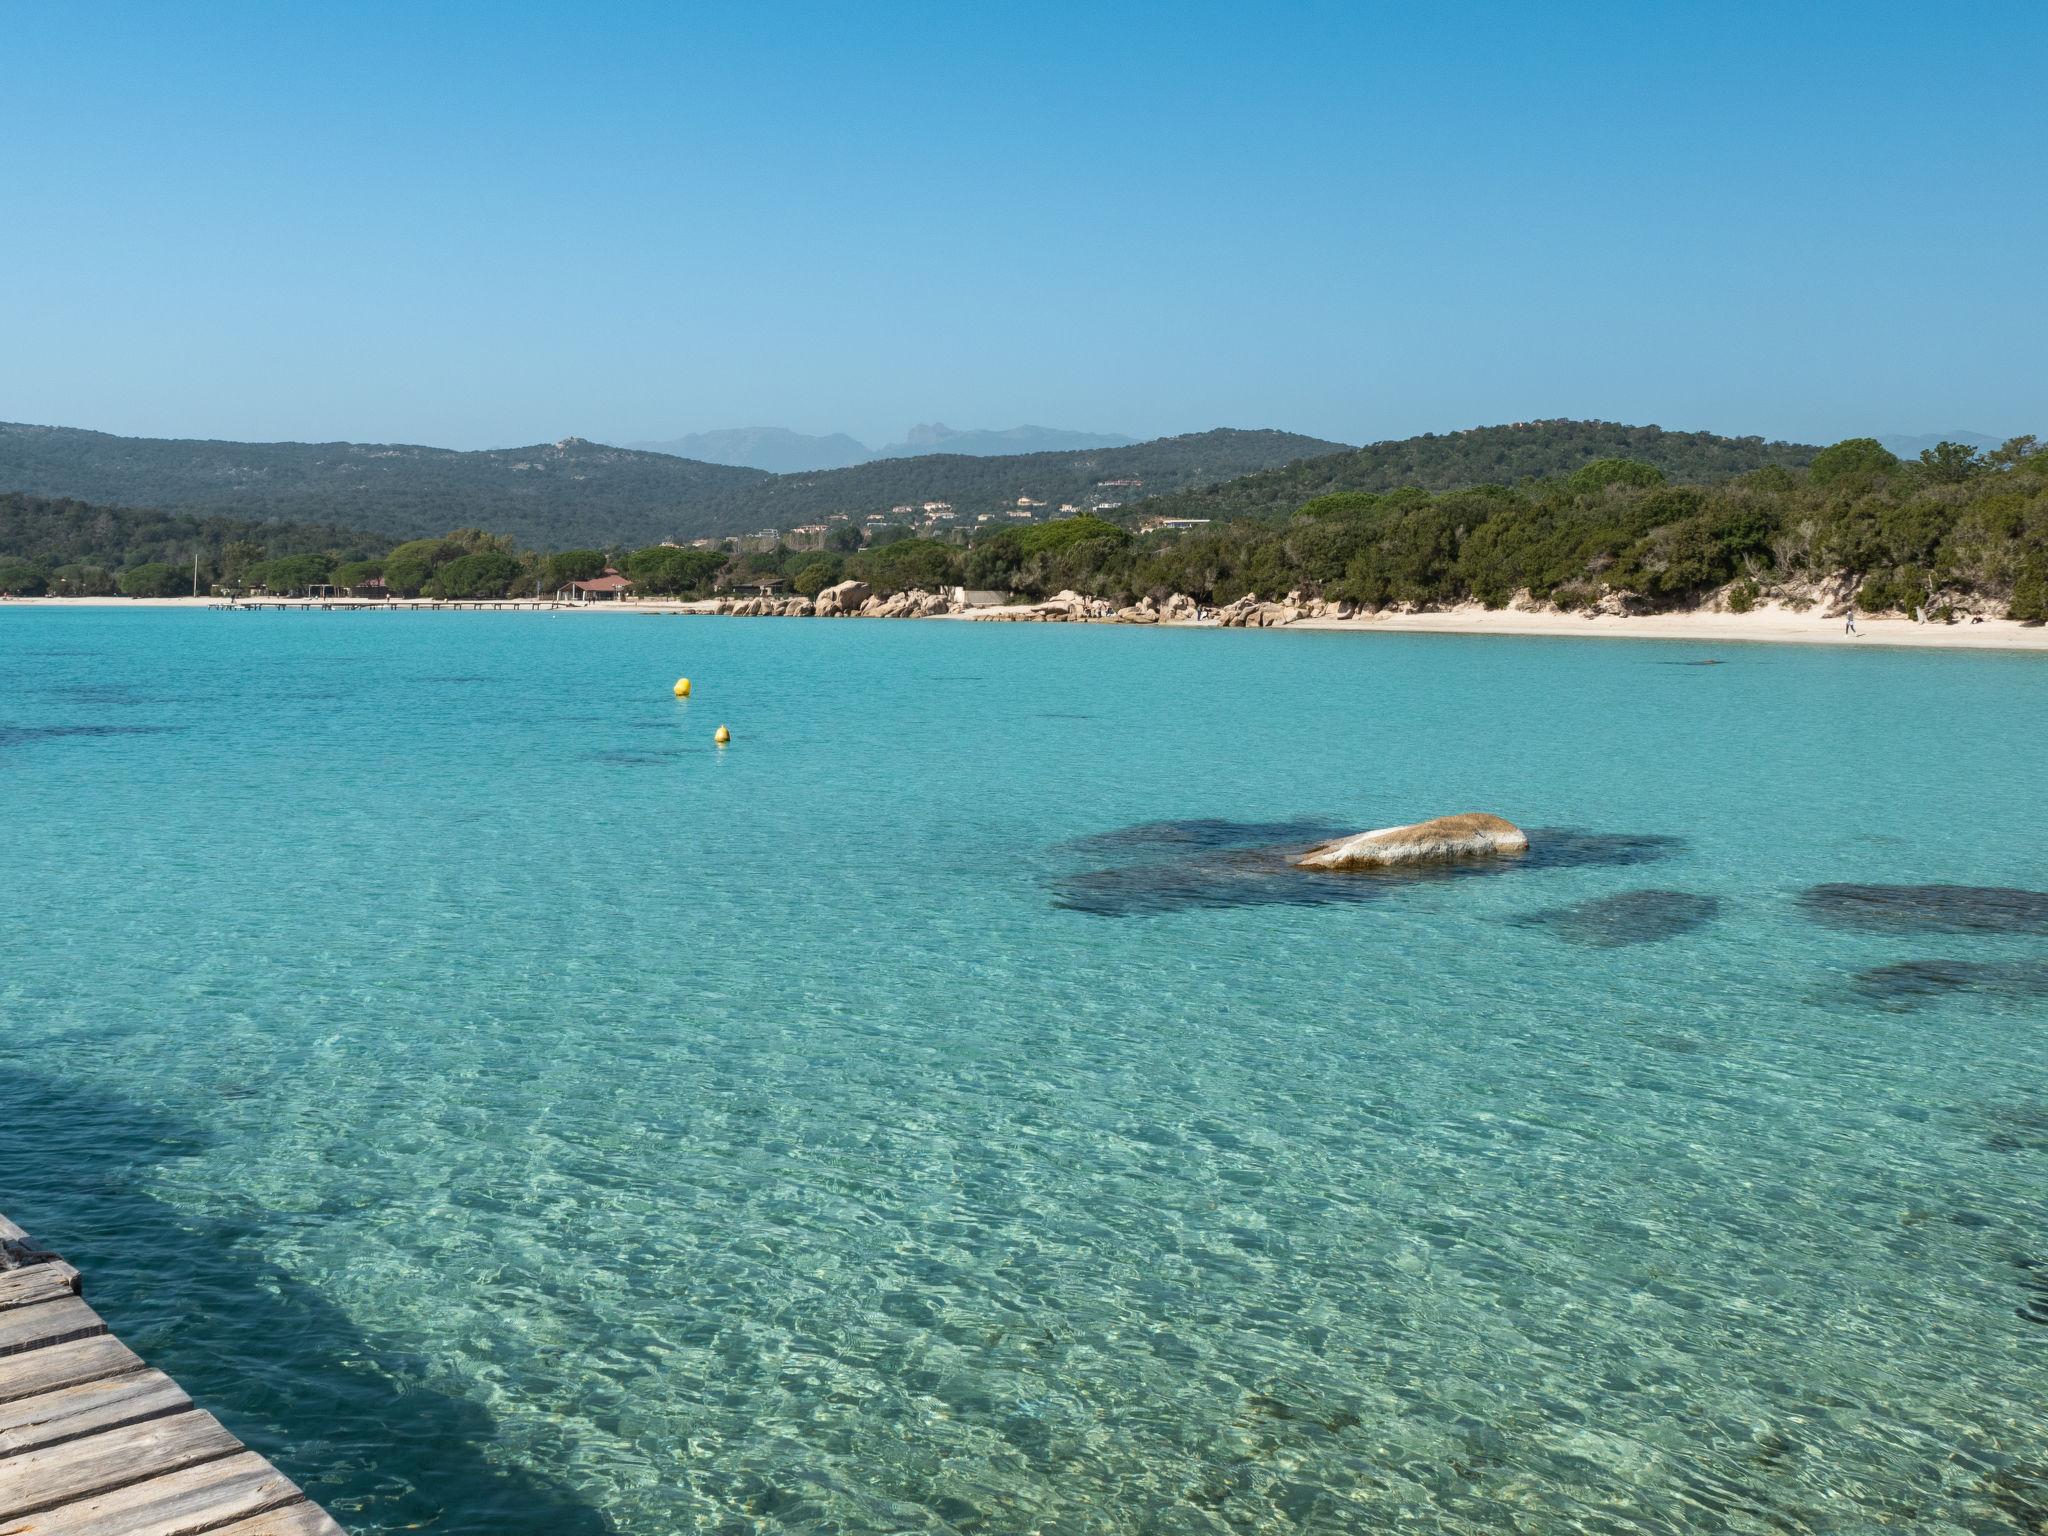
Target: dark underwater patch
point(1202, 832)
point(1927, 908)
point(1575, 848)
point(1912, 983)
point(97, 693)
point(1630, 917)
point(1210, 863)
point(636, 759)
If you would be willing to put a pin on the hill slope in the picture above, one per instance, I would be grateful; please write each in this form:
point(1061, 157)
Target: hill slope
point(54, 531)
point(1482, 455)
point(972, 483)
point(543, 495)
point(561, 495)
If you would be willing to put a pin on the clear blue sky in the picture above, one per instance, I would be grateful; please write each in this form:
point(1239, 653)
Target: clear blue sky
point(498, 224)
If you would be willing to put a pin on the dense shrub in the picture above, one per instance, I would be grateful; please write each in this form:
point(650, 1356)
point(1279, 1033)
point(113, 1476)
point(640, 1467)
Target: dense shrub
point(815, 575)
point(81, 580)
point(1855, 458)
point(475, 576)
point(155, 580)
point(665, 571)
point(22, 578)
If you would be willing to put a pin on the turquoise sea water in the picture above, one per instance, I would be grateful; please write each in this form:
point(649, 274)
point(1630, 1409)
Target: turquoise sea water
point(515, 1115)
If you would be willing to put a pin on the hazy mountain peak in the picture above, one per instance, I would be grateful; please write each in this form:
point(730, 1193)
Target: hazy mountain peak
point(937, 437)
point(776, 449)
point(1908, 445)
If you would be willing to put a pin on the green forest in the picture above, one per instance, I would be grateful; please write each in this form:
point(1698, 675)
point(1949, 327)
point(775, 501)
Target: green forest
point(1955, 529)
point(1504, 455)
point(575, 493)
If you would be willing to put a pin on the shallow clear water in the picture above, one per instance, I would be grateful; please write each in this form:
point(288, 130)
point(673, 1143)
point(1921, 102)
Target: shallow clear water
point(515, 1115)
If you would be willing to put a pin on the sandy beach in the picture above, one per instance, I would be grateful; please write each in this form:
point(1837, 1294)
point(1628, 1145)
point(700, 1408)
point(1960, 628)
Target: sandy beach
point(1766, 625)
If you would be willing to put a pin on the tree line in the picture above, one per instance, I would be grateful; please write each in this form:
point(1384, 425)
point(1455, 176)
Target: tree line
point(1955, 527)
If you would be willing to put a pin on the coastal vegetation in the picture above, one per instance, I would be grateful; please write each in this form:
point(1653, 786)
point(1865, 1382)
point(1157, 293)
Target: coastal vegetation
point(1956, 529)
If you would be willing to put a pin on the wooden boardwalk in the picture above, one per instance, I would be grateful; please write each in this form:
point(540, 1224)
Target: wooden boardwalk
point(95, 1443)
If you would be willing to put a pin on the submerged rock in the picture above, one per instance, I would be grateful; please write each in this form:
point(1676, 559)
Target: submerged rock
point(1175, 866)
point(1928, 908)
point(1913, 982)
point(1632, 917)
point(1440, 840)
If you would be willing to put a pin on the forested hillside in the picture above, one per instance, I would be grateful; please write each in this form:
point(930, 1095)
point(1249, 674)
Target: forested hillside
point(1954, 530)
point(973, 483)
point(1951, 531)
point(547, 495)
point(571, 493)
point(1450, 461)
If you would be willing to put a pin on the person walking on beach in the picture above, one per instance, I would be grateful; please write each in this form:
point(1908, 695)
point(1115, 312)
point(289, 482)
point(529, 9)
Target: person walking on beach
point(1849, 618)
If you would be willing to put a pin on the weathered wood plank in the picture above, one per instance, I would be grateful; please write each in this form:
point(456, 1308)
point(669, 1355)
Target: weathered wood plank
point(31, 1422)
point(95, 1443)
point(64, 1365)
point(194, 1499)
point(47, 1323)
point(293, 1520)
point(60, 1474)
point(39, 1282)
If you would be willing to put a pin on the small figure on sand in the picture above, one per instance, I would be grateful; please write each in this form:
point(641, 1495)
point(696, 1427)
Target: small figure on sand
point(1849, 618)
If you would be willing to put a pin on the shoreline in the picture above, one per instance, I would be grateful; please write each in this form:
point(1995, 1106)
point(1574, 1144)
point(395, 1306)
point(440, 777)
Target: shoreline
point(1767, 624)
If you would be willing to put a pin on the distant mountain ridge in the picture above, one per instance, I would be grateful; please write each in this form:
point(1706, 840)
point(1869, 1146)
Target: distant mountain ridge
point(1910, 445)
point(775, 449)
point(937, 437)
point(574, 492)
point(784, 452)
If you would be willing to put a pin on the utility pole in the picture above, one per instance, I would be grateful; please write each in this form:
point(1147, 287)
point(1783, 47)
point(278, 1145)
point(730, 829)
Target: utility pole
point(195, 572)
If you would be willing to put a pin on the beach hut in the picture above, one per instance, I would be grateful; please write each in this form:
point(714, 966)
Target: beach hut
point(608, 588)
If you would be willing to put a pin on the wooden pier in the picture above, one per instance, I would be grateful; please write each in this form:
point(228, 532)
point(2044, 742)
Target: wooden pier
point(95, 1443)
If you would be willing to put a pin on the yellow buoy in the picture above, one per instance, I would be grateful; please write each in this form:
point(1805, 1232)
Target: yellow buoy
point(682, 687)
point(723, 736)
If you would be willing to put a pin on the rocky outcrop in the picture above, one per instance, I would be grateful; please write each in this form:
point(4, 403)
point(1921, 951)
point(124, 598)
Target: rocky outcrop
point(1473, 835)
point(846, 597)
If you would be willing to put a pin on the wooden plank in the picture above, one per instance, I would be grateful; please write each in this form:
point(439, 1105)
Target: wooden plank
point(39, 1282)
point(76, 1469)
point(47, 1323)
point(70, 1412)
point(195, 1499)
point(293, 1520)
point(64, 1365)
point(8, 1230)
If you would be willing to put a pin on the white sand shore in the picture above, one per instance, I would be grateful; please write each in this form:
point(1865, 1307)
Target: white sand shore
point(1769, 624)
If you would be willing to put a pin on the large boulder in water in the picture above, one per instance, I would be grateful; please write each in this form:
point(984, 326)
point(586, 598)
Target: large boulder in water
point(1473, 835)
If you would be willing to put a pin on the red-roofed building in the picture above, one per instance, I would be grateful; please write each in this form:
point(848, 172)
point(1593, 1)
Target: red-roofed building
point(608, 588)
